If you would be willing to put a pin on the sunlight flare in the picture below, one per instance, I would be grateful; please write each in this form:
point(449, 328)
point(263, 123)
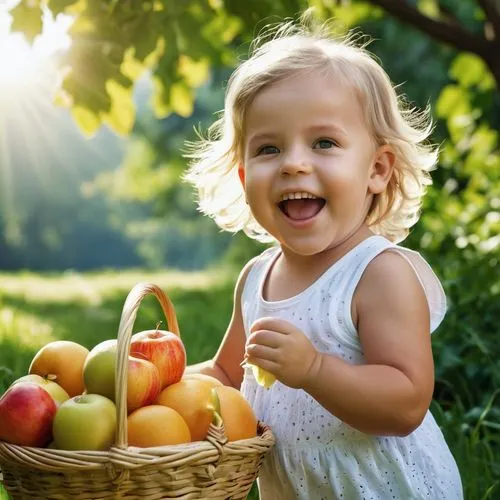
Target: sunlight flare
point(21, 63)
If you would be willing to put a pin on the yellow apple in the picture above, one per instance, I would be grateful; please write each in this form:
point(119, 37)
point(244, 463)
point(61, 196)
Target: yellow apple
point(53, 388)
point(61, 361)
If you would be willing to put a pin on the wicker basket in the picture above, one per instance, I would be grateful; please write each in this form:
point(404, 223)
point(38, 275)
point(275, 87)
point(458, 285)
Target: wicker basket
point(210, 469)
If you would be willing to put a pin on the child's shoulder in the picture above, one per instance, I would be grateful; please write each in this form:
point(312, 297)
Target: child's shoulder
point(400, 276)
point(389, 270)
point(255, 263)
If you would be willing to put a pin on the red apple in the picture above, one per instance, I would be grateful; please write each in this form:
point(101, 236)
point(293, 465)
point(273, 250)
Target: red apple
point(143, 381)
point(26, 414)
point(165, 350)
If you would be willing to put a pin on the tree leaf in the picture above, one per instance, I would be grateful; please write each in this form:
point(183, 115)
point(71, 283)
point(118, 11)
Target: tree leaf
point(87, 121)
point(159, 99)
point(453, 101)
point(131, 67)
point(145, 34)
point(121, 116)
point(60, 6)
point(195, 73)
point(354, 14)
point(181, 99)
point(470, 70)
point(484, 141)
point(429, 7)
point(27, 18)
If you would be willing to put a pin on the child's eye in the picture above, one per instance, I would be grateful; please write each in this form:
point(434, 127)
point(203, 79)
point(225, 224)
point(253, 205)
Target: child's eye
point(267, 150)
point(325, 144)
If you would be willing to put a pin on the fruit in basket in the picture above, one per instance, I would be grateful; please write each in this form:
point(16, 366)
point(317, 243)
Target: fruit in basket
point(143, 383)
point(53, 388)
point(214, 382)
point(239, 419)
point(193, 400)
point(86, 422)
point(165, 350)
point(99, 369)
point(26, 415)
point(143, 379)
point(61, 361)
point(156, 425)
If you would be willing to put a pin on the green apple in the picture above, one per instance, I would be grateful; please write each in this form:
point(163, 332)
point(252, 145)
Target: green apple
point(99, 369)
point(143, 377)
point(53, 388)
point(86, 422)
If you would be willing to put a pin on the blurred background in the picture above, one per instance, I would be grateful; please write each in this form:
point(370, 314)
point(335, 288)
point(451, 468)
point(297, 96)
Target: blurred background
point(97, 99)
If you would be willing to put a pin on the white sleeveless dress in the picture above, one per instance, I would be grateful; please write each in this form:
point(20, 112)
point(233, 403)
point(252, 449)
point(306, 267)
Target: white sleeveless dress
point(317, 456)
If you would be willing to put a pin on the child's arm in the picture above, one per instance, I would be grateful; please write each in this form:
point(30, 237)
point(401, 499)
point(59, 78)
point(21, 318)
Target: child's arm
point(225, 365)
point(390, 394)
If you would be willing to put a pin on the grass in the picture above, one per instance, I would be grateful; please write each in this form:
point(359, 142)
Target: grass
point(36, 309)
point(86, 308)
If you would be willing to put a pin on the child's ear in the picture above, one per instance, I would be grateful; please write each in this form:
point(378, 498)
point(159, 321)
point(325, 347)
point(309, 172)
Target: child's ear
point(382, 169)
point(241, 174)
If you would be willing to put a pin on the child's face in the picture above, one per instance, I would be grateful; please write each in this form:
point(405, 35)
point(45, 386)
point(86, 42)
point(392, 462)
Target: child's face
point(306, 134)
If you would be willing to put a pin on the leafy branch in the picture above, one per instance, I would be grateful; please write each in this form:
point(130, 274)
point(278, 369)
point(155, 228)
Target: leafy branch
point(452, 33)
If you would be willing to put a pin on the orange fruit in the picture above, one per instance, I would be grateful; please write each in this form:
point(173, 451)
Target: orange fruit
point(201, 376)
point(156, 425)
point(61, 361)
point(193, 400)
point(239, 419)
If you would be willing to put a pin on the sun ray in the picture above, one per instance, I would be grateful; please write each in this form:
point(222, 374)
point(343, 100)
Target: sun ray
point(27, 82)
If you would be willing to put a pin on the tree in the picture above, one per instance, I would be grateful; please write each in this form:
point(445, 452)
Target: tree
point(115, 42)
point(180, 43)
point(447, 21)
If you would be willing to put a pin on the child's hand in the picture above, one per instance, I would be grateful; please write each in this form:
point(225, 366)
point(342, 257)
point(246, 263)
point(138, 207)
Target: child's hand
point(283, 350)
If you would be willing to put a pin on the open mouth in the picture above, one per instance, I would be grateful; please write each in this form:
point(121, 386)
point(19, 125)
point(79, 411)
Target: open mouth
point(302, 209)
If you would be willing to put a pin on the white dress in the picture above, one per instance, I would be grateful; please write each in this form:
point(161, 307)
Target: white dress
point(317, 456)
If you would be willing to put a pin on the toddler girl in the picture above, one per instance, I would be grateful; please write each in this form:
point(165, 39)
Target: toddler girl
point(317, 154)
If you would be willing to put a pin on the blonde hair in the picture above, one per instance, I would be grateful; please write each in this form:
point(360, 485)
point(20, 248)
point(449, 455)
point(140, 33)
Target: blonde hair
point(293, 48)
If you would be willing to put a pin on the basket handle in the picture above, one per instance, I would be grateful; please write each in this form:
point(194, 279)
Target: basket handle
point(129, 313)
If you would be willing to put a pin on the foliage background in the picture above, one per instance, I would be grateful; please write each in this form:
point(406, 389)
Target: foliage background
point(105, 193)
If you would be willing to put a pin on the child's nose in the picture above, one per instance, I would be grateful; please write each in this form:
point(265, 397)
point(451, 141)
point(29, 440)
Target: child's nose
point(294, 164)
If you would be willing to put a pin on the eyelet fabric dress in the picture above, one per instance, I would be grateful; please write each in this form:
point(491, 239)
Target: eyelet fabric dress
point(317, 456)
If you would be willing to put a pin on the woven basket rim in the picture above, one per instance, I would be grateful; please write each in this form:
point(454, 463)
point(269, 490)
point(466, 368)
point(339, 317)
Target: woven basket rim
point(134, 457)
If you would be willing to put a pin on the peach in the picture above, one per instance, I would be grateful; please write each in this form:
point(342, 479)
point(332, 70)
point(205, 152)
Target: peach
point(214, 382)
point(193, 400)
point(239, 419)
point(156, 425)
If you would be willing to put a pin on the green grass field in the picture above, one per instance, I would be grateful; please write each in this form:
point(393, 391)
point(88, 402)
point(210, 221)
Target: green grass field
point(86, 308)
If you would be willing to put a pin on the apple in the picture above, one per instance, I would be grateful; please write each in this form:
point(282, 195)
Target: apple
point(143, 380)
point(26, 414)
point(86, 422)
point(53, 388)
point(63, 361)
point(143, 383)
point(99, 369)
point(165, 350)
